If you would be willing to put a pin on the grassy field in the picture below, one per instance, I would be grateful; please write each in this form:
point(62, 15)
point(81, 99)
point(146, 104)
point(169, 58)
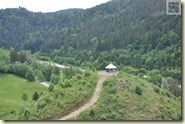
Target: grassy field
point(120, 101)
point(11, 89)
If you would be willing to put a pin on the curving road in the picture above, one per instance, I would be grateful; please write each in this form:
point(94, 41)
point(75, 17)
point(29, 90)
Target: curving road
point(88, 104)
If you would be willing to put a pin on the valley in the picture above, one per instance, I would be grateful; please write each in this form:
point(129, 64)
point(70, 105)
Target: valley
point(53, 65)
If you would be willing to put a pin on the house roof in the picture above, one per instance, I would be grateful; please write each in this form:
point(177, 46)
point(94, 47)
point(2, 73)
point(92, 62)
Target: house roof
point(111, 66)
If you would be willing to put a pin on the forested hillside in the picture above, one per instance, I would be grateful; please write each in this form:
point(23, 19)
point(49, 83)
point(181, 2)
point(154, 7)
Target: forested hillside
point(135, 35)
point(126, 32)
point(115, 24)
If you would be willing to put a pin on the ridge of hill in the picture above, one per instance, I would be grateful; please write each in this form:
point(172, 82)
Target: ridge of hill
point(127, 97)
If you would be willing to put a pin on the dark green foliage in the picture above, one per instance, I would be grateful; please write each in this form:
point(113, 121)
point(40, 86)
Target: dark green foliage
point(19, 69)
point(24, 97)
point(55, 79)
point(22, 56)
point(35, 96)
point(13, 55)
point(47, 71)
point(157, 90)
point(95, 37)
point(168, 94)
point(55, 70)
point(91, 113)
point(78, 76)
point(51, 87)
point(138, 90)
point(4, 60)
point(87, 73)
point(30, 75)
point(99, 35)
point(104, 18)
point(58, 91)
point(70, 72)
point(40, 76)
point(67, 83)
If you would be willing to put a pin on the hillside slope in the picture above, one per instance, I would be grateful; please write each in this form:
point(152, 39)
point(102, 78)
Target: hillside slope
point(115, 24)
point(120, 99)
point(126, 32)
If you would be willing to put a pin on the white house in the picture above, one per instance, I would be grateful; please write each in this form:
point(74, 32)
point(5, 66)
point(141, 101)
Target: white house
point(111, 68)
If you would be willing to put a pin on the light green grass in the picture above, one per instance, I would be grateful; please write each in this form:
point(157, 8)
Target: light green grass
point(119, 101)
point(11, 89)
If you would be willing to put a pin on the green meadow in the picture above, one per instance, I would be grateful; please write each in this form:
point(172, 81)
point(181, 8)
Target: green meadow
point(11, 89)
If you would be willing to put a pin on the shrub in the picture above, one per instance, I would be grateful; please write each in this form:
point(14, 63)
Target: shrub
point(55, 79)
point(35, 96)
point(157, 90)
point(24, 97)
point(91, 113)
point(19, 69)
point(30, 75)
point(40, 76)
point(162, 92)
point(168, 94)
point(142, 70)
point(78, 76)
point(112, 91)
point(138, 90)
point(83, 81)
point(50, 88)
point(87, 73)
point(67, 83)
point(41, 104)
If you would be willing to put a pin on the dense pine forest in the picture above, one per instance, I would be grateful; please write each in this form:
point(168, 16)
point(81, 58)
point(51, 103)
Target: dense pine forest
point(136, 35)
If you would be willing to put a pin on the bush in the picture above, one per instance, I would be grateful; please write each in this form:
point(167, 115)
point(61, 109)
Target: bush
point(24, 97)
point(91, 113)
point(142, 70)
point(138, 90)
point(87, 73)
point(78, 76)
point(19, 69)
point(55, 79)
point(41, 104)
point(83, 81)
point(40, 76)
point(168, 94)
point(35, 96)
point(30, 75)
point(50, 88)
point(157, 90)
point(67, 83)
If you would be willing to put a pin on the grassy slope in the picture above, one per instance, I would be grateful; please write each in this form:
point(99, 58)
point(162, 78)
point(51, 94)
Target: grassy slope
point(78, 94)
point(118, 101)
point(52, 107)
point(11, 89)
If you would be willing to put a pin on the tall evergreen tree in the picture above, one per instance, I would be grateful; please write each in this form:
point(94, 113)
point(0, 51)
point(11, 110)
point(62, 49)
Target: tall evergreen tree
point(13, 55)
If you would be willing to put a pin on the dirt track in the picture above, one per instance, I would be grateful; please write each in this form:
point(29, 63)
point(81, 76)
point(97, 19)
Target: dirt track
point(88, 104)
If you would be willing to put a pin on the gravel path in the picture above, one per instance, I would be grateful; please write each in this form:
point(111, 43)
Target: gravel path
point(88, 104)
point(44, 84)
